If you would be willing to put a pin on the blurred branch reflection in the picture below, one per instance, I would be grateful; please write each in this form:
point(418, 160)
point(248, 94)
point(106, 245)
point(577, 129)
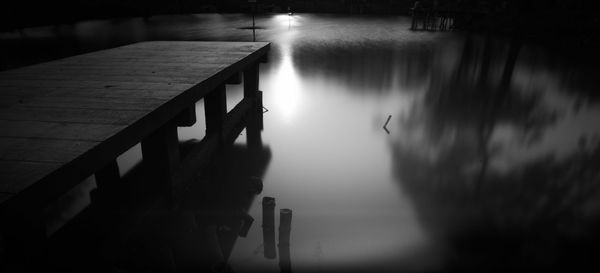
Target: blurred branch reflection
point(495, 215)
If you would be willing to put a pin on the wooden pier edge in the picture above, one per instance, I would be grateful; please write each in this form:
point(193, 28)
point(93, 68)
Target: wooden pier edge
point(157, 131)
point(72, 173)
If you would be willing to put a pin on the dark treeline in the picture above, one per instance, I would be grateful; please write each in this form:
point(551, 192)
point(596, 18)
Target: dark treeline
point(554, 23)
point(25, 13)
point(577, 18)
point(523, 15)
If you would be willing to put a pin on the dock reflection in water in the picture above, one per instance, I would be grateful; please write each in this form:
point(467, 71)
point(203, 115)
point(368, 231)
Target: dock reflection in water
point(200, 234)
point(490, 163)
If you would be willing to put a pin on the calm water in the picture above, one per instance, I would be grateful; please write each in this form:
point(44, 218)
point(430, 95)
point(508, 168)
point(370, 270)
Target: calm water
point(489, 162)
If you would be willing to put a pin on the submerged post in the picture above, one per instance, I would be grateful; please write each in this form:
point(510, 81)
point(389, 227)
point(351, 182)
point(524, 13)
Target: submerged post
point(285, 227)
point(268, 225)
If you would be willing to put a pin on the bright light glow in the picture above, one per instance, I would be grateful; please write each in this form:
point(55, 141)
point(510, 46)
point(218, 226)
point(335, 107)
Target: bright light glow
point(286, 20)
point(286, 88)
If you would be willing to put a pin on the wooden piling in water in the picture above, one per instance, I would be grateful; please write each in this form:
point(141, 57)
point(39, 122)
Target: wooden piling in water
point(285, 227)
point(268, 226)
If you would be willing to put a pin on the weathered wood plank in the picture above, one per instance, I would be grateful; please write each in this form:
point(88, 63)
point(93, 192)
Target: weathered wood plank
point(18, 175)
point(129, 63)
point(87, 116)
point(13, 87)
point(42, 150)
point(115, 93)
point(116, 77)
point(167, 46)
point(103, 68)
point(39, 88)
point(139, 62)
point(126, 103)
point(195, 46)
point(58, 130)
point(135, 54)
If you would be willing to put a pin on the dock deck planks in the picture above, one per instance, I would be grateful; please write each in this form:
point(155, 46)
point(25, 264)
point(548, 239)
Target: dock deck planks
point(63, 120)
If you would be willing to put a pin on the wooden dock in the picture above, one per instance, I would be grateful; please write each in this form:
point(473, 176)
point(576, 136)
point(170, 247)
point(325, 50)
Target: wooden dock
point(65, 120)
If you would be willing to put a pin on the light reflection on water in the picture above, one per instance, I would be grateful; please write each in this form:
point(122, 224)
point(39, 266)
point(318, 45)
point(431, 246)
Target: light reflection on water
point(471, 155)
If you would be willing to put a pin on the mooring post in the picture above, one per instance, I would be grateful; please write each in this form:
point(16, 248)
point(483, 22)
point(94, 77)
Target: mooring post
point(215, 109)
point(160, 152)
point(268, 225)
point(285, 227)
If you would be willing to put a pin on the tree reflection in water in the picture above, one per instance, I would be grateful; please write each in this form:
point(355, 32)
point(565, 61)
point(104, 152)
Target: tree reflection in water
point(494, 213)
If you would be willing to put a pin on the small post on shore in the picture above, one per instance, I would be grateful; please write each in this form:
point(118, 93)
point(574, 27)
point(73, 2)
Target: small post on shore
point(268, 225)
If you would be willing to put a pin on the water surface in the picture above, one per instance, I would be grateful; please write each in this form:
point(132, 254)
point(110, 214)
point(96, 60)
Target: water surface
point(489, 161)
